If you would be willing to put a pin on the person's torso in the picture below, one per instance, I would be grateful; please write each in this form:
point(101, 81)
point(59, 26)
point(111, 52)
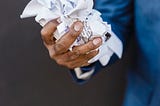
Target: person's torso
point(147, 31)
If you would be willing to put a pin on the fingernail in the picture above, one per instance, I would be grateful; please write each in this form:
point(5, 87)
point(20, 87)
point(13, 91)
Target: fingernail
point(97, 41)
point(78, 26)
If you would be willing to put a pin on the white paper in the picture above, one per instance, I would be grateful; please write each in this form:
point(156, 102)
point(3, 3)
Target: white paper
point(69, 11)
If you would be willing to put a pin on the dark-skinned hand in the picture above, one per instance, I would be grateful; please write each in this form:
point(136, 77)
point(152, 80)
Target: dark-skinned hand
point(59, 49)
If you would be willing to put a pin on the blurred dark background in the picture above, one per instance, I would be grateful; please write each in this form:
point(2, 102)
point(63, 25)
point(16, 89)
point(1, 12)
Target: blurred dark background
point(28, 77)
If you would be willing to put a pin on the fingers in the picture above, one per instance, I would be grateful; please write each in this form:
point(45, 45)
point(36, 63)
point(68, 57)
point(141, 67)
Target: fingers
point(67, 57)
point(82, 60)
point(47, 32)
point(72, 61)
point(63, 44)
point(68, 39)
point(92, 45)
point(58, 50)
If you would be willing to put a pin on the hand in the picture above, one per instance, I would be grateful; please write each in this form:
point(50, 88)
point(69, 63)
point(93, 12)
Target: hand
point(59, 50)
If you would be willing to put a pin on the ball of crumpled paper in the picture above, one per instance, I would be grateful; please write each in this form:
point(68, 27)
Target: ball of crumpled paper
point(69, 11)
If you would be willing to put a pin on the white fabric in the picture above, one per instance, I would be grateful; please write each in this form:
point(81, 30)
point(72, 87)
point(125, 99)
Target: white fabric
point(85, 75)
point(69, 11)
point(113, 45)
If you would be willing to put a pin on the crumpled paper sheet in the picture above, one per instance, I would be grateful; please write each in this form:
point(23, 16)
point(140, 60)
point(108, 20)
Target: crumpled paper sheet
point(67, 12)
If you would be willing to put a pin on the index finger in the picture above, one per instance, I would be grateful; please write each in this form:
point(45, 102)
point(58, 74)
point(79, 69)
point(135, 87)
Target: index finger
point(64, 43)
point(48, 30)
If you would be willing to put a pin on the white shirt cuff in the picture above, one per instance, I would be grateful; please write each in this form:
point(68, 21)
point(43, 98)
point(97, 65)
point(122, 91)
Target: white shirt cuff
point(111, 46)
point(83, 76)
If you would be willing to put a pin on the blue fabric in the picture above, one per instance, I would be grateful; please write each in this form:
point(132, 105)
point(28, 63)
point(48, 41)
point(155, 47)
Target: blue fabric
point(140, 18)
point(97, 66)
point(83, 69)
point(143, 79)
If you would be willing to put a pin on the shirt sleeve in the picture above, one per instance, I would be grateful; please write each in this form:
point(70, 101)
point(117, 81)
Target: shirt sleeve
point(111, 46)
point(118, 13)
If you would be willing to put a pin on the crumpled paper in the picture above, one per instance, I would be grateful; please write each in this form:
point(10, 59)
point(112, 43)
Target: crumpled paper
point(67, 12)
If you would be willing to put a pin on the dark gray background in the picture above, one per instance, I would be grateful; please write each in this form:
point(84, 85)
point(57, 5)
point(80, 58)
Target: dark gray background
point(28, 77)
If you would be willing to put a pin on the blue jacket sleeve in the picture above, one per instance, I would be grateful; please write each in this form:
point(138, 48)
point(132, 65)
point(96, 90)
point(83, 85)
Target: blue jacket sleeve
point(118, 13)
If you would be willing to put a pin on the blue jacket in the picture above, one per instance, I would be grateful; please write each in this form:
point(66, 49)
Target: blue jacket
point(140, 18)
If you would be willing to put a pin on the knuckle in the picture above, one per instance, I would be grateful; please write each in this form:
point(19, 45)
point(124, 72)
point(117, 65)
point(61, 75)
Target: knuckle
point(90, 46)
point(60, 62)
point(73, 57)
point(43, 33)
point(59, 47)
point(70, 56)
point(91, 55)
point(48, 28)
point(53, 23)
point(76, 52)
point(51, 54)
point(47, 39)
